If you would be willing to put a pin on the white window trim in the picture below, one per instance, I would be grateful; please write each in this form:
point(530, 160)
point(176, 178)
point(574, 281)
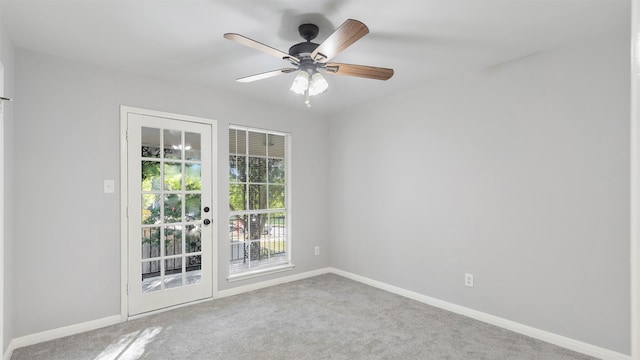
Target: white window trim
point(280, 267)
point(261, 272)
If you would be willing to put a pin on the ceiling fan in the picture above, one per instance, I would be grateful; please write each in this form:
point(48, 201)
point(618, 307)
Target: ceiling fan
point(310, 59)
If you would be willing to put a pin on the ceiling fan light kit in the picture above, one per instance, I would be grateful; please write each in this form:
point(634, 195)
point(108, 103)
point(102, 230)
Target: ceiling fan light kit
point(318, 84)
point(300, 83)
point(310, 59)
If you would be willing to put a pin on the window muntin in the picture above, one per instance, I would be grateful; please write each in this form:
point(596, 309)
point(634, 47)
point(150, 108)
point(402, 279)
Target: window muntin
point(258, 218)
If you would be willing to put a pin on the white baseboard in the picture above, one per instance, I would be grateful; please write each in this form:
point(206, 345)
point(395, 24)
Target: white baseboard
point(9, 352)
point(264, 284)
point(546, 336)
point(59, 332)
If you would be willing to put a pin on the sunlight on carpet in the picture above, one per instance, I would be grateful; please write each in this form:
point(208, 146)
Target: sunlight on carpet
point(130, 346)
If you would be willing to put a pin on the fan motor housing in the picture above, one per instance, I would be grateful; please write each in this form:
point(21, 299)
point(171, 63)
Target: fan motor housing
point(302, 49)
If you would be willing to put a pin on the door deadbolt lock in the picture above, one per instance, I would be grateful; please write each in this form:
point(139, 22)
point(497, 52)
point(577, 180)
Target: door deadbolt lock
point(206, 209)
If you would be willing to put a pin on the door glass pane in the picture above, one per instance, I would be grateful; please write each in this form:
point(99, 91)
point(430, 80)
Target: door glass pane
point(150, 208)
point(151, 276)
point(173, 240)
point(192, 179)
point(150, 175)
point(150, 242)
point(173, 273)
point(194, 269)
point(150, 141)
point(172, 208)
point(172, 144)
point(192, 146)
point(173, 176)
point(192, 241)
point(193, 205)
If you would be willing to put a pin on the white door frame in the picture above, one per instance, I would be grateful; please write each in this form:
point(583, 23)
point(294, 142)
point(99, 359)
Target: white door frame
point(635, 180)
point(124, 253)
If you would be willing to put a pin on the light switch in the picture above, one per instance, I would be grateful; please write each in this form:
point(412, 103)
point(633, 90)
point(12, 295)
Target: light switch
point(109, 186)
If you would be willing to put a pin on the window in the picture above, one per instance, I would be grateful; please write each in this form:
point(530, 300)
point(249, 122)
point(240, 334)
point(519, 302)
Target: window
point(258, 211)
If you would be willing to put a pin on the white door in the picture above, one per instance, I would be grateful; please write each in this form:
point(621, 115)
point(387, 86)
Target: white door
point(170, 211)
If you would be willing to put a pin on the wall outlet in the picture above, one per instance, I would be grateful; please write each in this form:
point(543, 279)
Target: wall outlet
point(468, 280)
point(317, 250)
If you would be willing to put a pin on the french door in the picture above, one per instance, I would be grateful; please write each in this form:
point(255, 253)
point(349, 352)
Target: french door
point(170, 211)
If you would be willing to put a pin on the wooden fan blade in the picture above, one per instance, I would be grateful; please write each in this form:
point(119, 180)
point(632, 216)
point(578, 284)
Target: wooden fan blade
point(370, 72)
point(260, 46)
point(349, 32)
point(265, 75)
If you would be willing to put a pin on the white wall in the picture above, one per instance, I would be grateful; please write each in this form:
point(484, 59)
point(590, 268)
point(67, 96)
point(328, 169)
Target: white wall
point(67, 251)
point(518, 174)
point(635, 180)
point(6, 253)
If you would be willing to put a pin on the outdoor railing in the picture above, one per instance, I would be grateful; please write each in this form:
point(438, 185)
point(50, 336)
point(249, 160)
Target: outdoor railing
point(265, 241)
point(269, 240)
point(151, 249)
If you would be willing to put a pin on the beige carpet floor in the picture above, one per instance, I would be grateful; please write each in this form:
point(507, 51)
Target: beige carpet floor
point(324, 317)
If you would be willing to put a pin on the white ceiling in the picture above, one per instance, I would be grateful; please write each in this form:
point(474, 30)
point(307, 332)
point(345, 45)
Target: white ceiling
point(181, 40)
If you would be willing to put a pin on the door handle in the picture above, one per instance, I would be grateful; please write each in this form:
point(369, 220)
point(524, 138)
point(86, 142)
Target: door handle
point(207, 221)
